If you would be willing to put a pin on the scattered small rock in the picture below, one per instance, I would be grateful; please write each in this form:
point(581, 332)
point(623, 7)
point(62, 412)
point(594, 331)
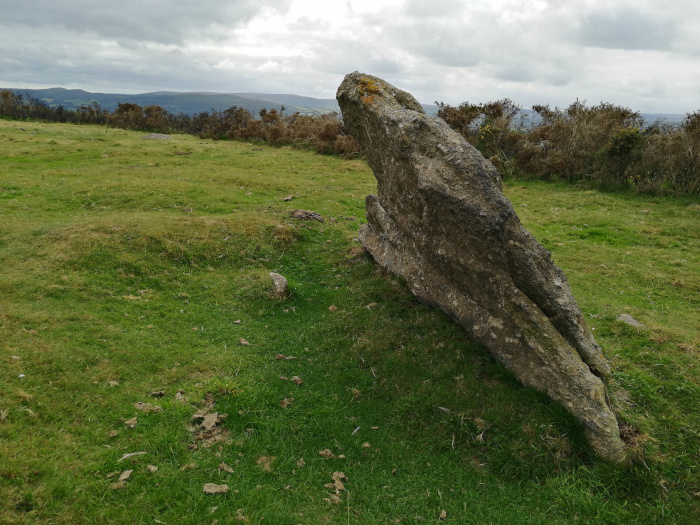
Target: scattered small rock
point(244, 342)
point(188, 466)
point(443, 515)
point(281, 286)
point(152, 469)
point(131, 423)
point(333, 308)
point(628, 319)
point(301, 463)
point(157, 136)
point(298, 380)
point(288, 198)
point(147, 407)
point(305, 215)
point(159, 393)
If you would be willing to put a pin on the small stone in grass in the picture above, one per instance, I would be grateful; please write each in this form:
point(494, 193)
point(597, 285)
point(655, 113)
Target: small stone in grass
point(281, 286)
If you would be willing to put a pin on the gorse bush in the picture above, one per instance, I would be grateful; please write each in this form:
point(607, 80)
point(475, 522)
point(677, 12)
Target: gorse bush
point(323, 134)
point(605, 144)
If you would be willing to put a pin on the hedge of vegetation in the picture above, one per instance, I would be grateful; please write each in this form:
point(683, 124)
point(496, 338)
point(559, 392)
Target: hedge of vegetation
point(323, 134)
point(604, 144)
point(608, 144)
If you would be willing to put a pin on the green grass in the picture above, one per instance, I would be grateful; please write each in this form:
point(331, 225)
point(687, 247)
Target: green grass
point(126, 264)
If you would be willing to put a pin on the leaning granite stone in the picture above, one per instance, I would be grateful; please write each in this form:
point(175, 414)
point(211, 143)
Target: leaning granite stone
point(440, 220)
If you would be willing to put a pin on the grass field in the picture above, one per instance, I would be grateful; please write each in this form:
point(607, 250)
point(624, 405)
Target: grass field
point(136, 316)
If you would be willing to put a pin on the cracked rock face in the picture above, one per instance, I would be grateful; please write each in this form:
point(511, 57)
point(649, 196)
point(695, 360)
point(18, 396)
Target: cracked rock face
point(441, 221)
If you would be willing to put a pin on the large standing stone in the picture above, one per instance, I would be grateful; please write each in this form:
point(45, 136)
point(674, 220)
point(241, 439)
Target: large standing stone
point(441, 221)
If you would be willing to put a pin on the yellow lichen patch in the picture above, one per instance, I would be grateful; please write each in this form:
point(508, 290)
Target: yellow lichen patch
point(369, 88)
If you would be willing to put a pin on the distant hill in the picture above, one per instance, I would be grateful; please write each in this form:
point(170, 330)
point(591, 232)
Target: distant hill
point(198, 102)
point(188, 103)
point(294, 102)
point(191, 103)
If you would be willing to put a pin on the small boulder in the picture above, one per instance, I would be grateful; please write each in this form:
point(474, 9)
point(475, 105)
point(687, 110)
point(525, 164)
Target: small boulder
point(306, 215)
point(157, 136)
point(281, 290)
point(628, 319)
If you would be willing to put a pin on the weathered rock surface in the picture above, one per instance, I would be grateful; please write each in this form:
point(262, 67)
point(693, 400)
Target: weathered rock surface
point(441, 221)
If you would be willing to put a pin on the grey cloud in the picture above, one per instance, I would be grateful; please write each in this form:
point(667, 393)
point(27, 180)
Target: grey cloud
point(57, 58)
point(626, 29)
point(441, 43)
point(163, 21)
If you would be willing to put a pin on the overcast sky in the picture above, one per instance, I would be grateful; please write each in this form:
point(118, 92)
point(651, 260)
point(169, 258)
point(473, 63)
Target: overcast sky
point(643, 54)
